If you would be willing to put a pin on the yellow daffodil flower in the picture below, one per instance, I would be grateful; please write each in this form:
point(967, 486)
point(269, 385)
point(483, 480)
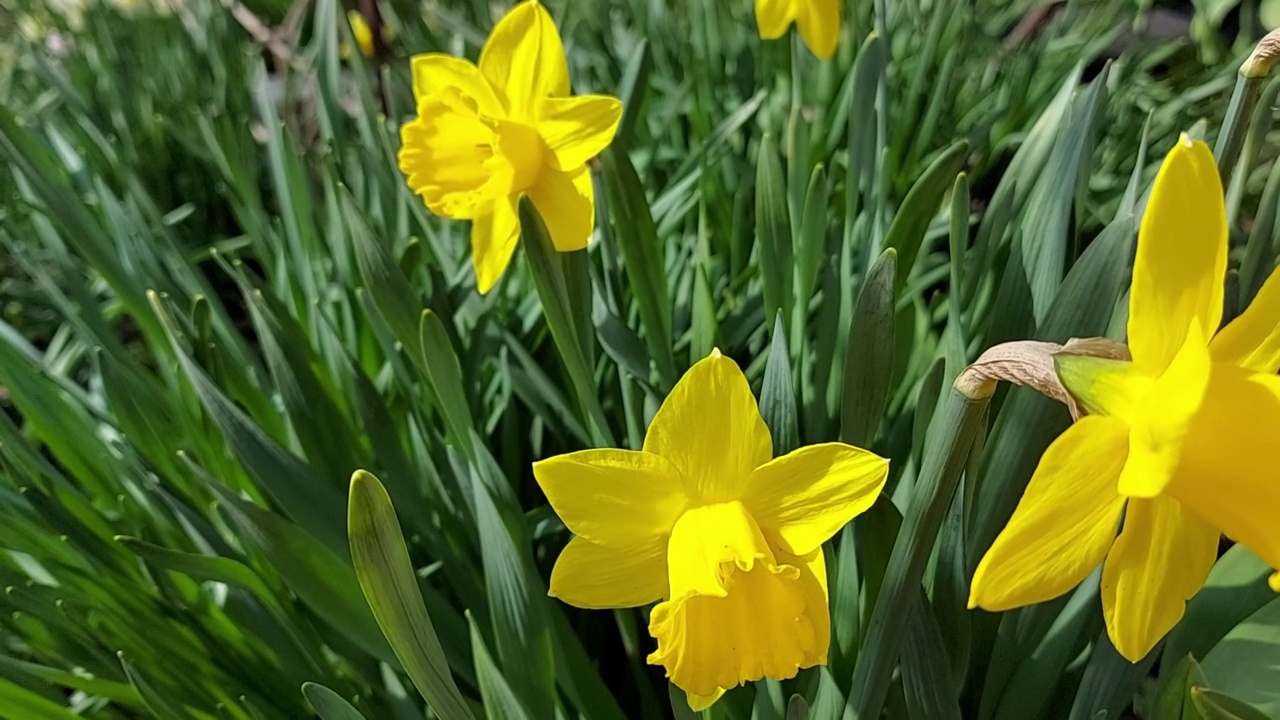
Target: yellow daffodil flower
point(361, 32)
point(1178, 444)
point(486, 135)
point(707, 521)
point(817, 20)
point(363, 35)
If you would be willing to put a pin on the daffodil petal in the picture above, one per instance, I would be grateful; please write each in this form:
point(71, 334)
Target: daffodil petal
point(1252, 340)
point(819, 26)
point(1103, 386)
point(1160, 427)
point(1161, 559)
point(1063, 525)
point(698, 703)
point(613, 497)
point(773, 17)
point(577, 129)
point(566, 202)
point(736, 614)
point(493, 241)
point(525, 60)
point(1228, 473)
point(710, 428)
point(1181, 259)
point(433, 72)
point(806, 496)
point(588, 575)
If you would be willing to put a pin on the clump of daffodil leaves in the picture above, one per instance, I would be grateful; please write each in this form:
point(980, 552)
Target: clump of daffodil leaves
point(1178, 445)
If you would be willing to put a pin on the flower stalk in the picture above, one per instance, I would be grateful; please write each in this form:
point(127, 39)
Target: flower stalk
point(951, 435)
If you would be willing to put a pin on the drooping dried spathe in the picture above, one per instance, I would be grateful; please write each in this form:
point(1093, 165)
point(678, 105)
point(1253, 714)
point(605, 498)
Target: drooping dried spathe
point(706, 521)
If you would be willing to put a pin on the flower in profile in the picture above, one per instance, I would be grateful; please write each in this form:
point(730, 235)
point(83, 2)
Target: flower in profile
point(486, 135)
point(1178, 443)
point(817, 20)
point(707, 521)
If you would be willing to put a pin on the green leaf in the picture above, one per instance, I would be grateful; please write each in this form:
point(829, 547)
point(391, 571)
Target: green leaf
point(952, 434)
point(287, 479)
point(930, 689)
point(328, 704)
point(120, 693)
point(810, 248)
point(320, 577)
point(517, 604)
point(1110, 681)
point(205, 567)
point(18, 702)
point(631, 91)
point(868, 360)
point(499, 702)
point(777, 396)
point(907, 230)
point(1215, 705)
point(797, 708)
point(642, 259)
point(1245, 664)
point(1046, 225)
point(557, 308)
point(386, 576)
point(1235, 589)
point(1053, 633)
point(773, 231)
point(768, 700)
point(320, 426)
point(440, 365)
point(159, 705)
point(1173, 699)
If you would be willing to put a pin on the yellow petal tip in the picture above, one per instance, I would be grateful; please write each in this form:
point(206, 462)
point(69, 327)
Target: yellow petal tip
point(1274, 582)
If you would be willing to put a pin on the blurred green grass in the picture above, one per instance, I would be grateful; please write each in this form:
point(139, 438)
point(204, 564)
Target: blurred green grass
point(220, 300)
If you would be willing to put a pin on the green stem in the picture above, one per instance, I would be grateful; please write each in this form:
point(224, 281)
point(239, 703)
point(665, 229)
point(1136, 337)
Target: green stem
point(557, 307)
point(952, 434)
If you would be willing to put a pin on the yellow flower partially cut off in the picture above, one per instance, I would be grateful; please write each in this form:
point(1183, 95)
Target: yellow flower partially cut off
point(817, 20)
point(486, 135)
point(707, 521)
point(1179, 444)
point(362, 34)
